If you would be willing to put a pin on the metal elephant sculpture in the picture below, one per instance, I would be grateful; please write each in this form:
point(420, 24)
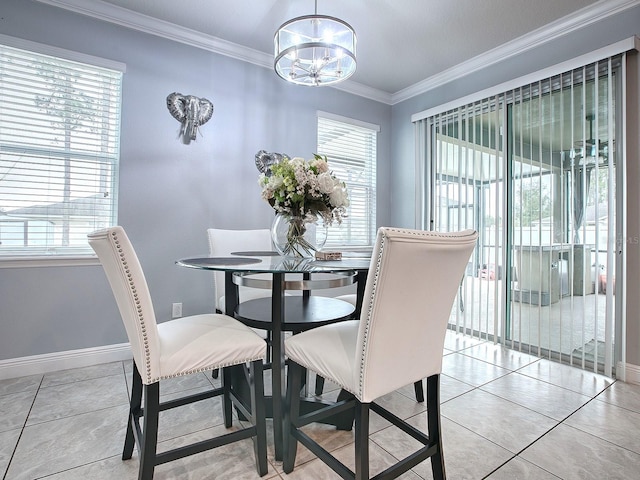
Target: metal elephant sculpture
point(265, 160)
point(191, 112)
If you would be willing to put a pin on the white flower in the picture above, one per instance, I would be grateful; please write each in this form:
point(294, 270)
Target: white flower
point(275, 182)
point(320, 165)
point(298, 162)
point(338, 197)
point(326, 183)
point(305, 188)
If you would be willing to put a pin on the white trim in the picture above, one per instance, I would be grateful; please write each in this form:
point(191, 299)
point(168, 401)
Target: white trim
point(628, 373)
point(161, 28)
point(137, 21)
point(365, 91)
point(62, 53)
point(51, 362)
point(48, 261)
point(577, 20)
point(631, 43)
point(621, 261)
point(154, 26)
point(350, 121)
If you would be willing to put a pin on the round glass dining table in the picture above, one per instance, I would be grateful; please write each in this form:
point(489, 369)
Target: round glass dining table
point(284, 311)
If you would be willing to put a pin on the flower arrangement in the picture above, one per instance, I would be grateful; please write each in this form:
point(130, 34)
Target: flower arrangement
point(301, 188)
point(302, 191)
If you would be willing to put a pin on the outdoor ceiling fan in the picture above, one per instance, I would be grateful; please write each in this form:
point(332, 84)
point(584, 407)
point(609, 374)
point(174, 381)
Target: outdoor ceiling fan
point(589, 150)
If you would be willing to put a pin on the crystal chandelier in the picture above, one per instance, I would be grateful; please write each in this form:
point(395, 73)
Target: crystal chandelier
point(315, 50)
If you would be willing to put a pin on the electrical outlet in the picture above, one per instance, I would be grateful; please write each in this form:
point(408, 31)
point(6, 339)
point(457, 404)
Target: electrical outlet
point(176, 310)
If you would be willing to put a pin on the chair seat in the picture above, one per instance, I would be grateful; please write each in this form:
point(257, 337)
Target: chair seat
point(328, 351)
point(189, 344)
point(351, 298)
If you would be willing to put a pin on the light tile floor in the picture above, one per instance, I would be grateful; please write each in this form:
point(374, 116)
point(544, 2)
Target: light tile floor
point(506, 415)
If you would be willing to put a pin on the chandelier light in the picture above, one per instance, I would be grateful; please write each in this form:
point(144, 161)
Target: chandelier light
point(315, 50)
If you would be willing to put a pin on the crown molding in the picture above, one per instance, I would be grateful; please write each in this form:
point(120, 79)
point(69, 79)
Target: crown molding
point(371, 93)
point(144, 23)
point(161, 28)
point(630, 43)
point(579, 19)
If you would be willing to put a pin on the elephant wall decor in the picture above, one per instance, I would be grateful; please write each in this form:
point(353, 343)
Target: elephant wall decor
point(265, 160)
point(191, 112)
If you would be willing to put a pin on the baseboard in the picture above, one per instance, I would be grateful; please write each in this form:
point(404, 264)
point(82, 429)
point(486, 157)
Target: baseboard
point(628, 372)
point(51, 362)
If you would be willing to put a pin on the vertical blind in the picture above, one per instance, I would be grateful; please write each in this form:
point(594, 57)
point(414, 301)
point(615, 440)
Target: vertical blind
point(534, 169)
point(351, 148)
point(59, 152)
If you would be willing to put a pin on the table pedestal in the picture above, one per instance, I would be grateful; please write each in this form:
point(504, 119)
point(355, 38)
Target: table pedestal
point(280, 314)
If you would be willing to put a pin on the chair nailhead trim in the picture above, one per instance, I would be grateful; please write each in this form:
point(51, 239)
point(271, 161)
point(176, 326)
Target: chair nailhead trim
point(141, 319)
point(368, 324)
point(417, 233)
point(143, 329)
point(207, 368)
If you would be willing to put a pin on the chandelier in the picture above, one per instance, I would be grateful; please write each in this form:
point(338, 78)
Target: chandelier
point(315, 50)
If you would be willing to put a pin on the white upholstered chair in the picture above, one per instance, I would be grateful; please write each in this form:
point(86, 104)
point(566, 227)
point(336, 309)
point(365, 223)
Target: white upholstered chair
point(224, 242)
point(352, 298)
point(174, 348)
point(411, 286)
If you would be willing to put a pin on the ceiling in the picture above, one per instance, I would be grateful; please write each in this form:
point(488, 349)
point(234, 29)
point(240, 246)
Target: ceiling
point(404, 46)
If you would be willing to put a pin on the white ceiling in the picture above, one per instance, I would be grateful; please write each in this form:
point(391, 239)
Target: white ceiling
point(403, 45)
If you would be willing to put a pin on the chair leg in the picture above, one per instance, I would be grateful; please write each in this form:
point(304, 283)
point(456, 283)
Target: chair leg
point(150, 431)
point(419, 389)
point(362, 441)
point(291, 413)
point(269, 340)
point(227, 406)
point(134, 411)
point(319, 385)
point(258, 416)
point(433, 421)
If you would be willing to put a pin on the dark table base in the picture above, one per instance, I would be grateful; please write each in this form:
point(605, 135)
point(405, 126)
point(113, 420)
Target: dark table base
point(300, 312)
point(342, 421)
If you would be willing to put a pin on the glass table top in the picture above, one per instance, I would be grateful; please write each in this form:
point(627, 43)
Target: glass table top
point(274, 263)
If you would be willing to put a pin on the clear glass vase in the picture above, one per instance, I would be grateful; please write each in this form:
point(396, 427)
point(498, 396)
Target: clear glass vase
point(298, 236)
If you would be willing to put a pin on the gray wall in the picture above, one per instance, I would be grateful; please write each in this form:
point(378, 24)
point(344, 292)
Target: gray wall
point(574, 44)
point(170, 193)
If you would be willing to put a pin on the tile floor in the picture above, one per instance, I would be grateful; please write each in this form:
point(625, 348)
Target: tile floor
point(506, 415)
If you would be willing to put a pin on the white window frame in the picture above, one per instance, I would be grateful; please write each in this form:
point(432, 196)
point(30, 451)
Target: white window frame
point(352, 156)
point(32, 154)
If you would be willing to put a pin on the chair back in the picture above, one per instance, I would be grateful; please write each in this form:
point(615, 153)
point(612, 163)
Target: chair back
point(129, 286)
point(412, 282)
point(224, 242)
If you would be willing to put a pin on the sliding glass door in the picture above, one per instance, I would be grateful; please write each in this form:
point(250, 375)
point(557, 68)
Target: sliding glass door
point(561, 146)
point(468, 192)
point(534, 171)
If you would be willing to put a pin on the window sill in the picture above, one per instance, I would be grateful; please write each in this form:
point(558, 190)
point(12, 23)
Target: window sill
point(44, 261)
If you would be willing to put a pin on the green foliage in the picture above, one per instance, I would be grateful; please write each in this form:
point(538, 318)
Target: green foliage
point(532, 202)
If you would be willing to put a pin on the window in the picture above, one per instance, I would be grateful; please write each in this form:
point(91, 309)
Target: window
point(59, 150)
point(350, 147)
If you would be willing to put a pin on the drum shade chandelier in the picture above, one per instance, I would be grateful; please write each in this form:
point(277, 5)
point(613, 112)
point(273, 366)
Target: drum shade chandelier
point(315, 50)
